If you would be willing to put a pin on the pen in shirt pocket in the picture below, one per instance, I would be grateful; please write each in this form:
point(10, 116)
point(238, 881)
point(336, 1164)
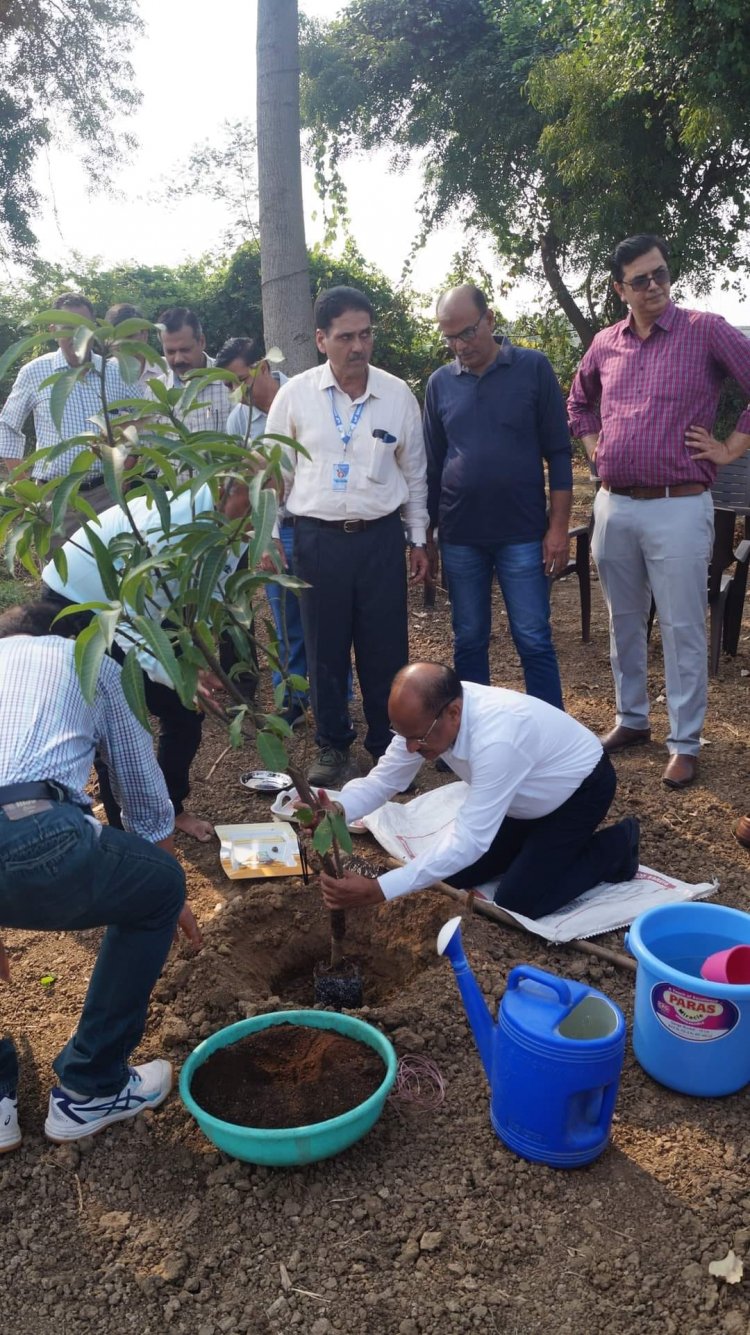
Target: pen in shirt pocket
point(385, 436)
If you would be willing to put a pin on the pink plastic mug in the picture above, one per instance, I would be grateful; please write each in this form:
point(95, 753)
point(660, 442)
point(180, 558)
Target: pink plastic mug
point(728, 966)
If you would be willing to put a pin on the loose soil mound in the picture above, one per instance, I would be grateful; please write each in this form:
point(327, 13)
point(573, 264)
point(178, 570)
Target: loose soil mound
point(286, 1076)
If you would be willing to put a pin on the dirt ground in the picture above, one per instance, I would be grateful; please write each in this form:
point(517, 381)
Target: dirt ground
point(429, 1223)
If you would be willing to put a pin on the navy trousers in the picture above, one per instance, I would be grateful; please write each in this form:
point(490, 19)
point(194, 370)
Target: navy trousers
point(357, 599)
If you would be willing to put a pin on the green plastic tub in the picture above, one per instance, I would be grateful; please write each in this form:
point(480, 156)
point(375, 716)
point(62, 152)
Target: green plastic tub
point(288, 1146)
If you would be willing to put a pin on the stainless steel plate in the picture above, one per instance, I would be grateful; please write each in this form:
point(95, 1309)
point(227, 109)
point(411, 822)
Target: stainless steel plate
point(265, 780)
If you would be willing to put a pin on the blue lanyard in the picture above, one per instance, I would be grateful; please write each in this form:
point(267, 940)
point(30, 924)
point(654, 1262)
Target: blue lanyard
point(345, 435)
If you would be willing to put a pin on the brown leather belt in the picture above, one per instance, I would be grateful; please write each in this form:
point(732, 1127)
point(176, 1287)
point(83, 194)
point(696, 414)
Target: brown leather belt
point(658, 493)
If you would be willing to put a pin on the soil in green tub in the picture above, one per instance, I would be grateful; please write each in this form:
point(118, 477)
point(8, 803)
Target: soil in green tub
point(287, 1075)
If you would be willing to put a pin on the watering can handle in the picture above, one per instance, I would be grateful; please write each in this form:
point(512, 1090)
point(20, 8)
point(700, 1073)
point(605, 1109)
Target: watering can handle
point(527, 971)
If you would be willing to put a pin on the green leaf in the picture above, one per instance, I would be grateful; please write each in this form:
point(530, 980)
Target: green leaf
point(61, 391)
point(61, 497)
point(298, 683)
point(235, 728)
point(160, 498)
point(62, 317)
point(305, 816)
point(264, 517)
point(129, 367)
point(338, 826)
point(89, 652)
point(159, 644)
point(131, 678)
point(16, 351)
point(271, 751)
point(211, 567)
point(60, 562)
point(112, 469)
point(323, 837)
point(104, 562)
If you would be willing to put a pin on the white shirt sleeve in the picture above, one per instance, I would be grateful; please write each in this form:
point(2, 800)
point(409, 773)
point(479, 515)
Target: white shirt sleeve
point(496, 775)
point(412, 459)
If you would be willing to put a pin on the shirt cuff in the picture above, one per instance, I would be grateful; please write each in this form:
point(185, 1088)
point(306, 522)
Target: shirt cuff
point(584, 424)
point(418, 536)
point(396, 883)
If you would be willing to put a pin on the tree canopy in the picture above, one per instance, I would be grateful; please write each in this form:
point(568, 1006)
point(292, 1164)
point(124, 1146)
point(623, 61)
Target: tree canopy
point(225, 293)
point(556, 128)
point(60, 65)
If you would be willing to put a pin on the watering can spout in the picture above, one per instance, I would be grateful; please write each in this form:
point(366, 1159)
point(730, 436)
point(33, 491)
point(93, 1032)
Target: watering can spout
point(449, 943)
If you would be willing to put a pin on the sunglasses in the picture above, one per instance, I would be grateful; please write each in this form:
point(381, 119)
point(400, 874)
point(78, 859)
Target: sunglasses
point(642, 281)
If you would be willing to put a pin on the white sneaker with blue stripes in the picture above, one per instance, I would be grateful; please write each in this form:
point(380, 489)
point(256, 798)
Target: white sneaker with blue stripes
point(71, 1117)
point(10, 1131)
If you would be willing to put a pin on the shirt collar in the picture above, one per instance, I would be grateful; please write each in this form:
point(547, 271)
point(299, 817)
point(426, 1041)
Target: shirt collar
point(329, 381)
point(664, 321)
point(460, 747)
point(504, 358)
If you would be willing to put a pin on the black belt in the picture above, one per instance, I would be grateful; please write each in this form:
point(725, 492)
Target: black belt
point(287, 522)
point(28, 792)
point(346, 525)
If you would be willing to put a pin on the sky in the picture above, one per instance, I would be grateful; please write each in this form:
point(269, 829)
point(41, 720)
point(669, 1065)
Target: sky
point(194, 75)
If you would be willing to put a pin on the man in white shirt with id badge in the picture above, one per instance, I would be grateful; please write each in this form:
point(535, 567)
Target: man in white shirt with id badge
point(364, 465)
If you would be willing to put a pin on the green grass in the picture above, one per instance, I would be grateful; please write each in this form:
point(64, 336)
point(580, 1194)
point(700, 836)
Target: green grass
point(14, 591)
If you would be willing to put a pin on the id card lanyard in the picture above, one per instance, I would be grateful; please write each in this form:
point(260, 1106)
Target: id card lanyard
point(353, 420)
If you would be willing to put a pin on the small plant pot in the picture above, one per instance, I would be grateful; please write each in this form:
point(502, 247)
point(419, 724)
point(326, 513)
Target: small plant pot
point(290, 1146)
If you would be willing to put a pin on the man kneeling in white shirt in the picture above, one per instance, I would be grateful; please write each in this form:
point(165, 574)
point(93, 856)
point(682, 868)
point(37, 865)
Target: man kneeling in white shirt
point(539, 785)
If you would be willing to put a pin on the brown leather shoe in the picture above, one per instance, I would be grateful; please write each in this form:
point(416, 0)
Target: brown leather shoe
point(742, 831)
point(620, 738)
point(680, 771)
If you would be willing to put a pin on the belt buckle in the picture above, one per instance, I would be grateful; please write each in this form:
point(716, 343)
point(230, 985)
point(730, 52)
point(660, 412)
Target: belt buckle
point(352, 525)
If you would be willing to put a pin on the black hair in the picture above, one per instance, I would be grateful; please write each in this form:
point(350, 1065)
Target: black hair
point(245, 348)
point(174, 318)
point(475, 293)
point(33, 619)
point(123, 310)
point(68, 299)
point(335, 301)
point(632, 248)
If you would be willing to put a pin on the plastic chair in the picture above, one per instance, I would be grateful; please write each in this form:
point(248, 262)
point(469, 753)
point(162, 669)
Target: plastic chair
point(580, 565)
point(727, 582)
point(731, 490)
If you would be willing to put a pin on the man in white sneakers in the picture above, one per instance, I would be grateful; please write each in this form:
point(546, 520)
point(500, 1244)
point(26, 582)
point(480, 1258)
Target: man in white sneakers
point(60, 870)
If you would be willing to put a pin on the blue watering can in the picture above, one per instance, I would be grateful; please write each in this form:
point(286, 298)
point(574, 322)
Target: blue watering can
point(553, 1060)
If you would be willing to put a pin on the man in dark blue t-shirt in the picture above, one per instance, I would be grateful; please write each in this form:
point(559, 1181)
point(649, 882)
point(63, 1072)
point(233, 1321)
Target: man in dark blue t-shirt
point(492, 419)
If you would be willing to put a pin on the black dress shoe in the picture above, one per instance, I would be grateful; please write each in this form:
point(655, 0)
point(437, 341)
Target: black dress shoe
point(620, 738)
point(680, 771)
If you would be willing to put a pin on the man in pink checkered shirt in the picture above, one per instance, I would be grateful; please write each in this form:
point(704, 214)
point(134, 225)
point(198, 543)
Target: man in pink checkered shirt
point(644, 403)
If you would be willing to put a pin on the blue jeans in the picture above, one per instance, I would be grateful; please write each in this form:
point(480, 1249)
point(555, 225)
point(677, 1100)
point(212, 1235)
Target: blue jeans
point(286, 618)
point(58, 874)
point(520, 573)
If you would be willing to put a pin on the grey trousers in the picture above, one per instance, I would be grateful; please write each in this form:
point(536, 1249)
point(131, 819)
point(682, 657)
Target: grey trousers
point(659, 547)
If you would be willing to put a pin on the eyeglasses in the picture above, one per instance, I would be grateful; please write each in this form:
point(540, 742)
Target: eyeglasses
point(467, 335)
point(420, 741)
point(642, 281)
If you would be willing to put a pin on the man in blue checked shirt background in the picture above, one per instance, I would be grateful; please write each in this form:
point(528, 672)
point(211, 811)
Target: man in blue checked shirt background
point(84, 402)
point(60, 870)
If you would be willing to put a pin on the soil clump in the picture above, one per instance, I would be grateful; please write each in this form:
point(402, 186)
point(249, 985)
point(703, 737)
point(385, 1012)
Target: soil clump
point(286, 1076)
